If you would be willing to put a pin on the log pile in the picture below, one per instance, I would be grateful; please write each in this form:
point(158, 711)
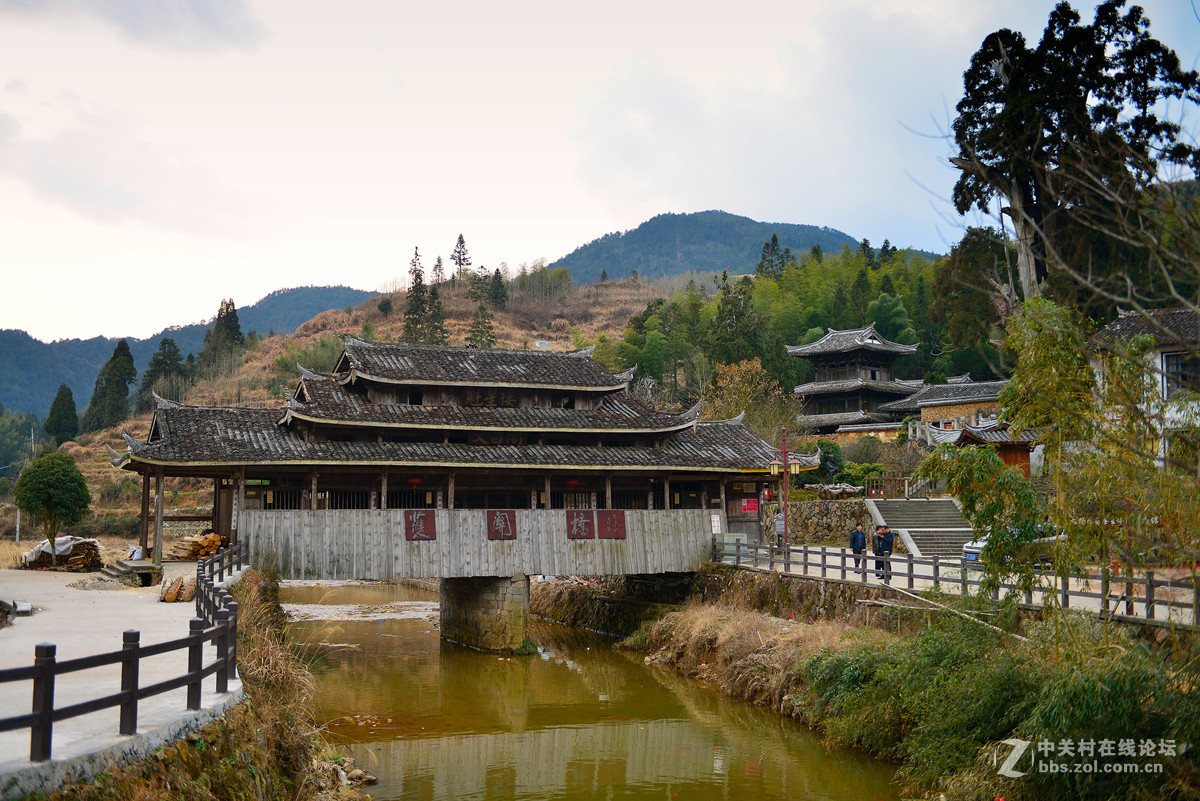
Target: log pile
point(189, 549)
point(180, 590)
point(84, 557)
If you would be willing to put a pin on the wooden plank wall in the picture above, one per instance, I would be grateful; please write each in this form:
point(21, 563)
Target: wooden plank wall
point(371, 544)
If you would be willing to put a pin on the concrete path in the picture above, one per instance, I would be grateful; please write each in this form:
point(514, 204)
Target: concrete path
point(82, 622)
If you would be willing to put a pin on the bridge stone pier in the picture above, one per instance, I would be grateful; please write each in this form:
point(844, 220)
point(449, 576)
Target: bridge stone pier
point(489, 613)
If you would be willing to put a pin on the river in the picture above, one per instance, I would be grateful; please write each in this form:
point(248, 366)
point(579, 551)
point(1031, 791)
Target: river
point(576, 721)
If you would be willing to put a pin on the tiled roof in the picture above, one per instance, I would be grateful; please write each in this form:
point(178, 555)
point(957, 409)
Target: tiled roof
point(947, 395)
point(853, 384)
point(232, 436)
point(992, 433)
point(1167, 326)
point(326, 400)
point(854, 339)
point(430, 364)
point(835, 419)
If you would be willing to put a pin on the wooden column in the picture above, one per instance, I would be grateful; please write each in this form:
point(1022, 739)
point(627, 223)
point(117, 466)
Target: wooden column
point(608, 491)
point(312, 497)
point(383, 491)
point(724, 507)
point(216, 506)
point(450, 491)
point(158, 515)
point(666, 492)
point(238, 505)
point(144, 527)
point(548, 503)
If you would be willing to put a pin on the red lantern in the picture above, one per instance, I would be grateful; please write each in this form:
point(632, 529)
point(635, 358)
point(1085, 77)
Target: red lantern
point(414, 482)
point(572, 482)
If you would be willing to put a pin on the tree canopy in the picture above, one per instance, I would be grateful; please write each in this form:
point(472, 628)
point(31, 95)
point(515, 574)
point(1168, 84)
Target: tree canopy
point(110, 398)
point(53, 490)
point(62, 423)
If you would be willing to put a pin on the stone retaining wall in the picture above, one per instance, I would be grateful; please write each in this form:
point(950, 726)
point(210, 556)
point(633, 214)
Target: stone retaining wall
point(815, 521)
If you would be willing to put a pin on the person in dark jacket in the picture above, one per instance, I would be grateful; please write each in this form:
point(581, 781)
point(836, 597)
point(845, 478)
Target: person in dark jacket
point(858, 544)
point(884, 540)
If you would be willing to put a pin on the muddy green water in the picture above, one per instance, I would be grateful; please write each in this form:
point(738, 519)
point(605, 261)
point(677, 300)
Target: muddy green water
point(576, 721)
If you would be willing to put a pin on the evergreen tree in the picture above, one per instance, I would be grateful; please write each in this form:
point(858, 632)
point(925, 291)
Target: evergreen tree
point(886, 252)
point(481, 334)
point(603, 275)
point(435, 322)
point(816, 254)
point(62, 422)
point(110, 397)
point(165, 371)
point(860, 296)
point(498, 290)
point(416, 313)
point(385, 306)
point(886, 286)
point(461, 259)
point(773, 259)
point(223, 341)
point(736, 326)
point(439, 272)
point(868, 252)
point(840, 308)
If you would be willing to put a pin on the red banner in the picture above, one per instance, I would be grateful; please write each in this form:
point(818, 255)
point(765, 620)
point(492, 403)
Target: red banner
point(502, 524)
point(420, 525)
point(581, 525)
point(611, 524)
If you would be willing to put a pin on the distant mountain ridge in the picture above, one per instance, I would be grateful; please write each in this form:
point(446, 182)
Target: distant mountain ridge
point(31, 370)
point(705, 241)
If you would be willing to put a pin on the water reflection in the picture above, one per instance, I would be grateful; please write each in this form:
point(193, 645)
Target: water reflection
point(437, 721)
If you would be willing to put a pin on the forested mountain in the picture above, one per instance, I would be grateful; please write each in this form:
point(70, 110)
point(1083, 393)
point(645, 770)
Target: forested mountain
point(703, 242)
point(31, 371)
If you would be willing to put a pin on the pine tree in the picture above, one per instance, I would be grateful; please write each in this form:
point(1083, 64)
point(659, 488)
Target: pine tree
point(886, 252)
point(416, 313)
point(62, 423)
point(223, 341)
point(110, 397)
point(772, 261)
point(439, 272)
point(886, 286)
point(435, 323)
point(165, 374)
point(816, 254)
point(860, 296)
point(603, 274)
point(498, 291)
point(461, 259)
point(481, 334)
point(868, 252)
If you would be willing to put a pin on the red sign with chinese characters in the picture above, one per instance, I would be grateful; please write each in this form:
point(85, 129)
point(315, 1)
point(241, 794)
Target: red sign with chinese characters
point(581, 525)
point(611, 525)
point(502, 524)
point(749, 506)
point(419, 525)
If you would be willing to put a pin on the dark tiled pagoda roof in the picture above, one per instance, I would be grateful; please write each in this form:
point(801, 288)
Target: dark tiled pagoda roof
point(325, 400)
point(947, 395)
point(1168, 327)
point(220, 436)
point(850, 340)
point(431, 364)
point(997, 434)
point(855, 384)
point(834, 419)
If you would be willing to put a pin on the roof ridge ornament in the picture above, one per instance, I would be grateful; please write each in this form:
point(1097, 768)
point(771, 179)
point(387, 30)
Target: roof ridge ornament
point(310, 375)
point(692, 413)
point(135, 446)
point(163, 403)
point(115, 457)
point(582, 353)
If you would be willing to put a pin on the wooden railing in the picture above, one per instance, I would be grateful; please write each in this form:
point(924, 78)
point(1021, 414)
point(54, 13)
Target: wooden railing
point(897, 486)
point(1132, 598)
point(215, 622)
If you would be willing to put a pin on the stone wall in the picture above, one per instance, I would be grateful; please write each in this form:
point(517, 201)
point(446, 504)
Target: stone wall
point(816, 521)
point(489, 613)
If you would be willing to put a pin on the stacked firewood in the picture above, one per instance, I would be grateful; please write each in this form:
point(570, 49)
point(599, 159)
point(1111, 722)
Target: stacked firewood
point(178, 590)
point(84, 557)
point(199, 546)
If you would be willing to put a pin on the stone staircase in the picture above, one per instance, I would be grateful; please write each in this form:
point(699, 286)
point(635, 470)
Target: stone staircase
point(147, 572)
point(935, 526)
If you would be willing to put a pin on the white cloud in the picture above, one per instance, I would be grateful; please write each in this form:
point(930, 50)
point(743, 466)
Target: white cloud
point(185, 24)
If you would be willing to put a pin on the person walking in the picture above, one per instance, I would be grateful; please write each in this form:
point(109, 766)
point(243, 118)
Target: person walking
point(858, 544)
point(886, 540)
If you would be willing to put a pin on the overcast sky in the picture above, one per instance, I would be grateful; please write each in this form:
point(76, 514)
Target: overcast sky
point(159, 155)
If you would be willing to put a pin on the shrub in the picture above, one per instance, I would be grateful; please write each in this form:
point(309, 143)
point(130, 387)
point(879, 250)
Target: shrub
point(857, 474)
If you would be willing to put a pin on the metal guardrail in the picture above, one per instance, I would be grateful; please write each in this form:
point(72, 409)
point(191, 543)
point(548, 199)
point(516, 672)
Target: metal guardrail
point(215, 621)
point(1145, 590)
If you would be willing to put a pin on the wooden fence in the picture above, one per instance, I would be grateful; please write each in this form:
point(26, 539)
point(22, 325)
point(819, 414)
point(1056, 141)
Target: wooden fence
point(1131, 598)
point(429, 543)
point(215, 621)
